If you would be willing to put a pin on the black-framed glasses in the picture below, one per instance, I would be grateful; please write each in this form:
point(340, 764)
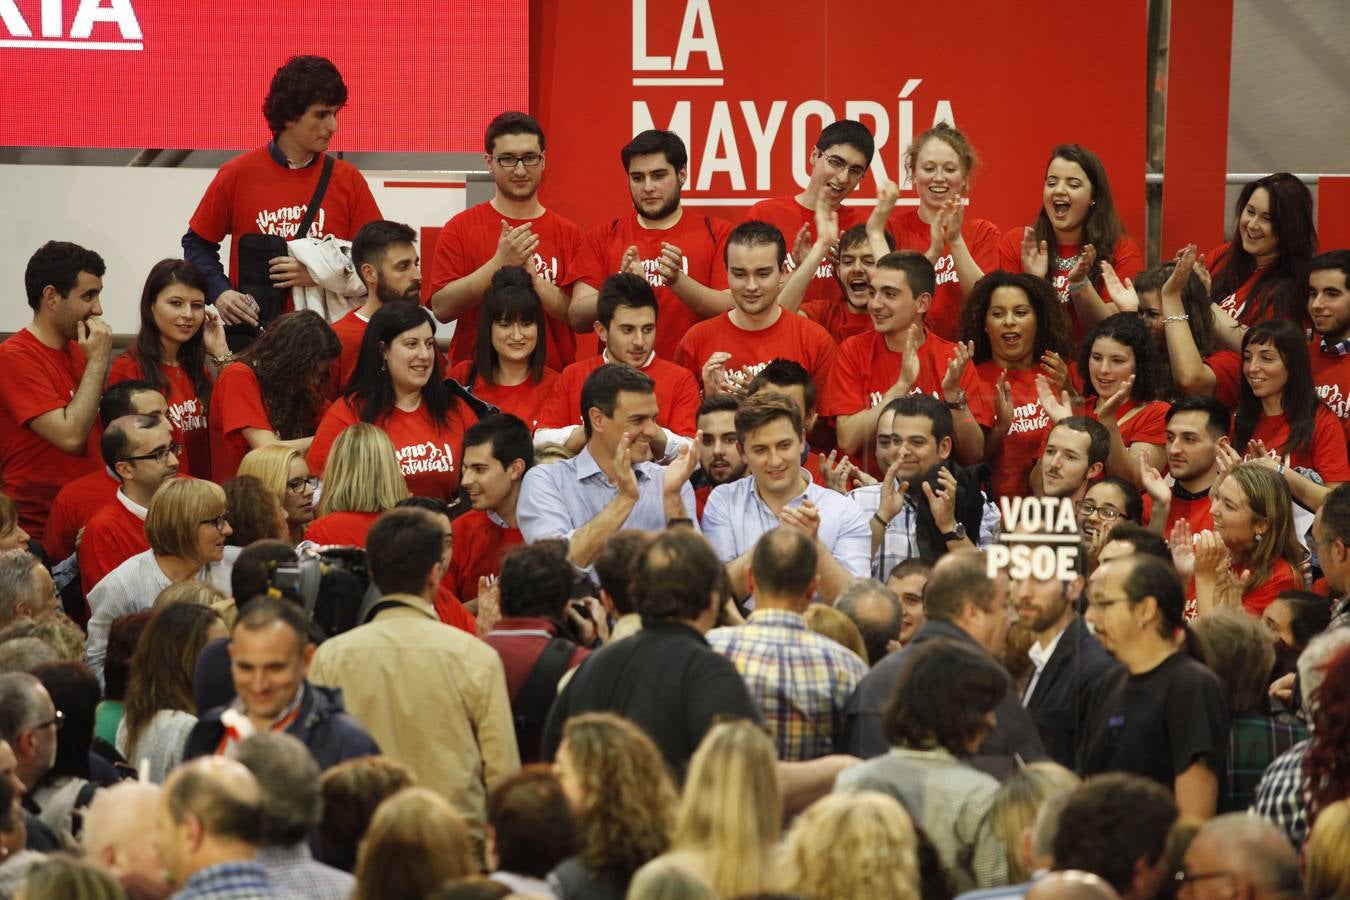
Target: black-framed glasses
point(221, 522)
point(58, 721)
point(1183, 877)
point(509, 161)
point(298, 485)
point(160, 456)
point(839, 164)
point(1087, 508)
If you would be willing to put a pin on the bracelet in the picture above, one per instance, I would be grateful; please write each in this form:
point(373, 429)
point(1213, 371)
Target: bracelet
point(1079, 285)
point(1280, 470)
point(224, 359)
point(1182, 318)
point(880, 521)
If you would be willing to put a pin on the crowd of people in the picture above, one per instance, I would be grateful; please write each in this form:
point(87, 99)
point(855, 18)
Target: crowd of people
point(671, 576)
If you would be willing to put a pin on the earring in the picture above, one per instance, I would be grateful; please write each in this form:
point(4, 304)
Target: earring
point(1259, 536)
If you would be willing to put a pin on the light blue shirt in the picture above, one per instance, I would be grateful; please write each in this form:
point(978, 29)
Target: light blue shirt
point(899, 543)
point(558, 498)
point(735, 516)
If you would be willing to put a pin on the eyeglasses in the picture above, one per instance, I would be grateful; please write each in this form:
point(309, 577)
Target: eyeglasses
point(160, 456)
point(298, 485)
point(1183, 877)
point(839, 164)
point(221, 522)
point(1107, 513)
point(58, 721)
point(529, 160)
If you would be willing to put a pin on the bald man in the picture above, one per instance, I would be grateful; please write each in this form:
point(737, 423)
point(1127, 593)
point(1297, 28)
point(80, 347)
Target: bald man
point(1240, 855)
point(1071, 885)
point(119, 837)
point(206, 829)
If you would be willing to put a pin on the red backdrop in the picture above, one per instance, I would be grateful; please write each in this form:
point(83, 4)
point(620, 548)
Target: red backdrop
point(422, 75)
point(1016, 78)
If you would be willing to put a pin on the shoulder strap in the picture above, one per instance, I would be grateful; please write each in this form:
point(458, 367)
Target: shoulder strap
point(382, 606)
point(312, 211)
point(537, 694)
point(479, 406)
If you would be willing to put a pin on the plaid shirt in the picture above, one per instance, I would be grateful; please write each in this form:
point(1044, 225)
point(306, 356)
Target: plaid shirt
point(800, 679)
point(1253, 743)
point(295, 869)
point(1282, 794)
point(232, 881)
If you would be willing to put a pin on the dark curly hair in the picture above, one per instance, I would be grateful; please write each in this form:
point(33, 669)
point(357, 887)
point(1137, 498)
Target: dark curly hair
point(371, 390)
point(297, 85)
point(292, 360)
point(1127, 329)
point(1052, 326)
point(944, 692)
point(148, 350)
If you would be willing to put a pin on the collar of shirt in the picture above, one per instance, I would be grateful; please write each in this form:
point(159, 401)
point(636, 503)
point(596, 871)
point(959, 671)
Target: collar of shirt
point(587, 467)
point(524, 626)
point(274, 150)
point(800, 495)
point(416, 603)
point(1334, 348)
point(1039, 657)
point(235, 875)
point(132, 506)
point(1180, 493)
point(782, 618)
point(282, 718)
point(604, 354)
point(496, 519)
point(281, 857)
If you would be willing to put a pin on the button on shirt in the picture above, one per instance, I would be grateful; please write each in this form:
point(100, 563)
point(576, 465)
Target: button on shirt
point(735, 517)
point(900, 541)
point(801, 680)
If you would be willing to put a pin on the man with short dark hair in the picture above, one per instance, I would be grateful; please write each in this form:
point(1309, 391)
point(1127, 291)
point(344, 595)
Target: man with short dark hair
point(964, 604)
point(270, 657)
point(665, 678)
point(908, 580)
point(54, 374)
point(613, 569)
point(26, 588)
point(497, 453)
point(626, 325)
point(719, 452)
point(801, 680)
point(291, 811)
point(1075, 456)
point(875, 609)
point(464, 740)
point(1329, 311)
point(613, 482)
point(385, 256)
point(789, 378)
point(1197, 427)
point(848, 315)
point(512, 229)
point(1116, 826)
point(679, 253)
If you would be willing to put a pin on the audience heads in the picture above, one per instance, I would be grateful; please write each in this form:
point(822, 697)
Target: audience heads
point(74, 691)
point(1238, 649)
point(352, 790)
point(253, 568)
point(1325, 763)
point(1248, 852)
point(758, 412)
point(918, 280)
point(1314, 663)
point(1012, 303)
point(921, 435)
point(188, 520)
point(298, 84)
point(963, 155)
point(1132, 598)
point(1328, 852)
point(1071, 885)
point(668, 879)
point(26, 587)
point(511, 326)
point(28, 724)
point(667, 143)
point(719, 453)
point(131, 398)
point(536, 580)
point(1195, 303)
point(783, 567)
point(530, 826)
point(616, 399)
point(254, 512)
point(404, 551)
point(854, 845)
point(471, 887)
point(1275, 357)
point(511, 123)
point(288, 777)
point(753, 234)
point(943, 698)
point(286, 474)
point(59, 877)
point(627, 313)
point(208, 813)
point(1253, 514)
point(119, 830)
point(614, 568)
point(1116, 826)
point(1328, 289)
point(68, 278)
point(876, 610)
point(677, 577)
point(23, 654)
point(140, 450)
point(1295, 617)
point(270, 655)
point(1119, 347)
point(497, 454)
point(174, 297)
point(908, 580)
point(398, 355)
point(123, 636)
point(960, 591)
point(829, 622)
point(362, 473)
point(164, 663)
point(385, 256)
point(1017, 806)
point(1331, 533)
point(1107, 502)
point(1273, 230)
point(12, 536)
point(1129, 538)
point(787, 378)
point(293, 361)
point(1075, 454)
point(1077, 197)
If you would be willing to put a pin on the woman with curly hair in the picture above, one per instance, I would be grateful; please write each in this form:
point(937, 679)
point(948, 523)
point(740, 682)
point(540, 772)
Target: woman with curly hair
point(1019, 330)
point(176, 338)
point(857, 846)
point(617, 784)
point(1076, 230)
point(398, 386)
point(285, 473)
point(274, 393)
point(730, 815)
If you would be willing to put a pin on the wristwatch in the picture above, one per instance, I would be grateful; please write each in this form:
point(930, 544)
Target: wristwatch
point(956, 534)
point(959, 402)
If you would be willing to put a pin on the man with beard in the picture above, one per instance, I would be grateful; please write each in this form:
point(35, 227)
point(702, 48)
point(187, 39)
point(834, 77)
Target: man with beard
point(511, 229)
point(1075, 455)
point(1197, 427)
point(680, 254)
point(385, 256)
point(719, 453)
point(1329, 309)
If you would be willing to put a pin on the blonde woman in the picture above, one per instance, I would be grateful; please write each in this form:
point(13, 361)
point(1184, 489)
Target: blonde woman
point(1012, 817)
point(415, 843)
point(285, 473)
point(727, 828)
point(202, 593)
point(856, 846)
point(361, 479)
point(186, 526)
point(617, 784)
point(1327, 853)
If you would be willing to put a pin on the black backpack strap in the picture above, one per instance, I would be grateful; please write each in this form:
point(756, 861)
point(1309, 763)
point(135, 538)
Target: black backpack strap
point(312, 211)
point(537, 695)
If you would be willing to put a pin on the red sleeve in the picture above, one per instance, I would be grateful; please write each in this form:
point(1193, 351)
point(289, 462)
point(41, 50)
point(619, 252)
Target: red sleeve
point(452, 612)
point(447, 261)
point(982, 239)
point(682, 418)
point(1227, 368)
point(687, 352)
point(1148, 426)
point(1328, 449)
point(364, 207)
point(979, 396)
point(1282, 578)
point(846, 389)
point(1010, 250)
point(240, 400)
point(557, 411)
point(824, 352)
point(1129, 260)
point(211, 220)
point(29, 388)
point(338, 417)
point(58, 538)
point(588, 266)
point(126, 367)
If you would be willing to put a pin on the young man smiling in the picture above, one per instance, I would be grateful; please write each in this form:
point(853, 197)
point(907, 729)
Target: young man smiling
point(497, 454)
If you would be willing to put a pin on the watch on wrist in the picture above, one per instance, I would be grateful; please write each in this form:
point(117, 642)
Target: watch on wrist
point(956, 534)
point(959, 402)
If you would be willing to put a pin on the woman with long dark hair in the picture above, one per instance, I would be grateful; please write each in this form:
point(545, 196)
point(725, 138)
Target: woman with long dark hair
point(177, 337)
point(399, 386)
point(508, 366)
point(1261, 273)
point(1076, 230)
point(1019, 330)
point(1279, 421)
point(275, 392)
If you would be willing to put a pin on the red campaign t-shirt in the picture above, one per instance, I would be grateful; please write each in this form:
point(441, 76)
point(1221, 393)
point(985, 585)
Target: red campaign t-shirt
point(470, 239)
point(350, 331)
point(701, 239)
point(341, 529)
point(428, 452)
point(1128, 263)
point(74, 506)
point(1196, 512)
point(1331, 379)
point(480, 544)
point(236, 404)
point(1148, 425)
point(790, 337)
point(1235, 304)
point(452, 612)
point(1327, 453)
point(1227, 368)
point(677, 395)
point(37, 380)
point(524, 400)
point(834, 316)
point(187, 414)
point(788, 216)
point(981, 237)
point(1030, 426)
point(114, 535)
point(252, 194)
point(1282, 578)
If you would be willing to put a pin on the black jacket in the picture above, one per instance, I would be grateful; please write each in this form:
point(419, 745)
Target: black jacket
point(970, 481)
point(1059, 705)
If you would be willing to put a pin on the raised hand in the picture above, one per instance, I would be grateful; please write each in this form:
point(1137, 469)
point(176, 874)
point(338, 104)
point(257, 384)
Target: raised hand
point(236, 308)
point(1003, 405)
point(1122, 294)
point(516, 245)
point(1035, 256)
point(1226, 459)
point(1153, 482)
point(804, 516)
point(909, 358)
point(1056, 370)
point(1181, 273)
point(942, 500)
point(714, 373)
point(669, 263)
point(1183, 550)
point(289, 272)
point(892, 493)
point(625, 479)
point(1087, 257)
point(1229, 586)
point(1107, 407)
point(835, 472)
point(956, 367)
point(213, 334)
point(489, 604)
point(827, 224)
point(801, 244)
point(94, 338)
point(1211, 554)
point(887, 195)
point(954, 217)
point(1056, 407)
point(631, 262)
point(681, 467)
point(1193, 261)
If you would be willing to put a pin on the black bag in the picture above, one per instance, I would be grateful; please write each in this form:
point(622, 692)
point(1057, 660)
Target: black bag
point(537, 695)
point(254, 268)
